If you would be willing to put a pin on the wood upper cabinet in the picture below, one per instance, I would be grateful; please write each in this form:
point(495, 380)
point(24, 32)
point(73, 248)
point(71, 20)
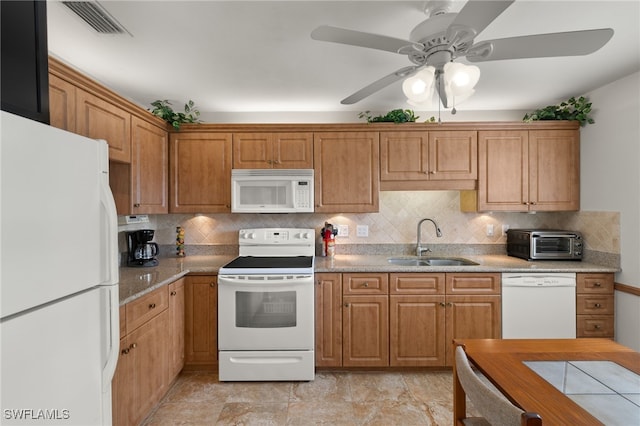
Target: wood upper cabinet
point(99, 119)
point(328, 313)
point(273, 150)
point(428, 160)
point(200, 172)
point(535, 170)
point(142, 186)
point(62, 103)
point(201, 320)
point(347, 172)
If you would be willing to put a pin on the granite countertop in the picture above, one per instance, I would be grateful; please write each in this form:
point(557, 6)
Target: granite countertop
point(136, 282)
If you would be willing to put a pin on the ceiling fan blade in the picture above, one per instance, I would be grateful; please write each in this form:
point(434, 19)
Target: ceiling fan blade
point(572, 43)
point(379, 84)
point(358, 38)
point(474, 17)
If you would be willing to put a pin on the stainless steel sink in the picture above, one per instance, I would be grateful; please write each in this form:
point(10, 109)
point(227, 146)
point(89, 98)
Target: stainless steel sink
point(431, 261)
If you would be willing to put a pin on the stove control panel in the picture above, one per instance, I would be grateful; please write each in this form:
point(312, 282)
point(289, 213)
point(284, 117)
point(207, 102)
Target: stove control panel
point(276, 235)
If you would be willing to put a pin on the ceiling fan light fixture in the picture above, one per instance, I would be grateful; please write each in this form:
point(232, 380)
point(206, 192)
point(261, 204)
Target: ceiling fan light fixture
point(460, 79)
point(418, 87)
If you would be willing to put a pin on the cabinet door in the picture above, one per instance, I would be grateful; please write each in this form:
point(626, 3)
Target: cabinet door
point(365, 331)
point(200, 173)
point(149, 168)
point(62, 104)
point(201, 320)
point(417, 325)
point(122, 387)
point(99, 119)
point(328, 320)
point(293, 150)
point(554, 170)
point(453, 155)
point(252, 151)
point(176, 323)
point(404, 156)
point(346, 172)
point(503, 170)
point(471, 317)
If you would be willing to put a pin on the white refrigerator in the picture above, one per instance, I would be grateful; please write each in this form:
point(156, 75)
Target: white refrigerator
point(59, 328)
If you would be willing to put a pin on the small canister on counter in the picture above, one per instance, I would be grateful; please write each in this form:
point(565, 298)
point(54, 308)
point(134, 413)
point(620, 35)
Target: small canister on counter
point(328, 234)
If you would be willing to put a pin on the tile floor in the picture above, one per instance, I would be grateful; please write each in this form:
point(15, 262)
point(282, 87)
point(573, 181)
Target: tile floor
point(333, 398)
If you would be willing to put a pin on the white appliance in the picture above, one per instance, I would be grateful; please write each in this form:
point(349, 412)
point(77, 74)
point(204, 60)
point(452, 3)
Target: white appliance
point(539, 306)
point(271, 190)
point(59, 272)
point(266, 307)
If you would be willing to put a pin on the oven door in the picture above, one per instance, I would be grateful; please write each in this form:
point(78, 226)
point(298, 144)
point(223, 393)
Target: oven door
point(552, 247)
point(265, 312)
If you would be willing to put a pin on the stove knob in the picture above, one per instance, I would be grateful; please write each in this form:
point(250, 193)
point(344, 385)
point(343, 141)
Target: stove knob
point(248, 235)
point(304, 236)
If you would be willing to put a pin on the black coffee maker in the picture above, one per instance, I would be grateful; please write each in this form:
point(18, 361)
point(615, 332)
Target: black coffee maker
point(141, 252)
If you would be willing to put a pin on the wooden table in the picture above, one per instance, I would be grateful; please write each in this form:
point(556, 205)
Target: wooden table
point(501, 361)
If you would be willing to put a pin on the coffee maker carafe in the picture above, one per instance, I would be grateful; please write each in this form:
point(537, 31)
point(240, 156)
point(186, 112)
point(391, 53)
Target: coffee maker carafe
point(141, 251)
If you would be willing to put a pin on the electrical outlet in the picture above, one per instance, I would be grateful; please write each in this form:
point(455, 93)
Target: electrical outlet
point(343, 230)
point(362, 230)
point(505, 228)
point(490, 230)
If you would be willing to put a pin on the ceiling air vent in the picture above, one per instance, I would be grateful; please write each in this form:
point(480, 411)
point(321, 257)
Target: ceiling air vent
point(96, 16)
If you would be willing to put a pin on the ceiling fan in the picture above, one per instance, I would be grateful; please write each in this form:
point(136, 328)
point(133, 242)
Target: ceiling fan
point(435, 43)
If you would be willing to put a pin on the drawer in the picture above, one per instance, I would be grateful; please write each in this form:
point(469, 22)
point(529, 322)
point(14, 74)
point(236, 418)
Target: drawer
point(595, 326)
point(363, 283)
point(407, 283)
point(594, 283)
point(143, 309)
point(470, 283)
point(594, 304)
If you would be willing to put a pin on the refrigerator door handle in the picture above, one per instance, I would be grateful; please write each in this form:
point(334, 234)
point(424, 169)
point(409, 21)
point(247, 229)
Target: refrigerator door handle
point(109, 221)
point(112, 327)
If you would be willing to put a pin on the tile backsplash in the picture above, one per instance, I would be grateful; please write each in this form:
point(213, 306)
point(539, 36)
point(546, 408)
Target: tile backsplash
point(396, 223)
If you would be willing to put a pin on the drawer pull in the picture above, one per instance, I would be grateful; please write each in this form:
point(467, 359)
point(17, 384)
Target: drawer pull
point(597, 284)
point(597, 305)
point(596, 326)
point(152, 306)
point(366, 284)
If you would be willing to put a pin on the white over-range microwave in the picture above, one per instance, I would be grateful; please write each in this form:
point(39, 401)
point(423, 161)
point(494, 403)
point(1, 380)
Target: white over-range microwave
point(272, 190)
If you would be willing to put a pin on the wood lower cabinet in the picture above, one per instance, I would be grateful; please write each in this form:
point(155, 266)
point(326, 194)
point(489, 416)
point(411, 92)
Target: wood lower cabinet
point(365, 320)
point(528, 170)
point(347, 170)
point(142, 374)
point(201, 321)
point(428, 160)
point(273, 150)
point(328, 317)
point(595, 305)
point(200, 172)
point(176, 327)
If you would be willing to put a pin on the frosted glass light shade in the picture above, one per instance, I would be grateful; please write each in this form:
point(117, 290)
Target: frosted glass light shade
point(460, 79)
point(418, 87)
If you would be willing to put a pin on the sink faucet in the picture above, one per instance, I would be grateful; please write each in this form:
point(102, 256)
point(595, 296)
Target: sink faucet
point(419, 248)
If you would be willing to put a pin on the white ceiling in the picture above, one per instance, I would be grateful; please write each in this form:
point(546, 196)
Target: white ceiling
point(241, 56)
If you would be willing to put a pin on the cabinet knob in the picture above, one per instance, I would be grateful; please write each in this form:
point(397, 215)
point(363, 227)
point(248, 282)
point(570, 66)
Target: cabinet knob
point(597, 284)
point(125, 351)
point(212, 284)
point(152, 305)
point(173, 293)
point(136, 205)
point(346, 305)
point(276, 162)
point(366, 284)
point(442, 304)
point(597, 305)
point(596, 327)
point(433, 172)
point(449, 304)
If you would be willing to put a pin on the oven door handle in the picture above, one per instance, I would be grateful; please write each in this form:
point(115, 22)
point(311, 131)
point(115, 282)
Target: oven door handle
point(272, 280)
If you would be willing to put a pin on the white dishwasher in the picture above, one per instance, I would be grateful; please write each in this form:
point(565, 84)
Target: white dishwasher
point(538, 305)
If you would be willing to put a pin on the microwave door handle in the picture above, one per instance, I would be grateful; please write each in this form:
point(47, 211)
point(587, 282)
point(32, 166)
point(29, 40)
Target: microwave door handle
point(555, 235)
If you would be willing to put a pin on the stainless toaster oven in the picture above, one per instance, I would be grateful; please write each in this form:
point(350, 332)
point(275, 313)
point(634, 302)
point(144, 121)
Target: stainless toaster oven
point(540, 244)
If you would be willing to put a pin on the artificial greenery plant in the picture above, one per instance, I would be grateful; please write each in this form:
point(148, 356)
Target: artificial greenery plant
point(572, 109)
point(164, 110)
point(395, 116)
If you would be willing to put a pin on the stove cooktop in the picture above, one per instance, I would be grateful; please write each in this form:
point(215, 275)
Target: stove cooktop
point(269, 265)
